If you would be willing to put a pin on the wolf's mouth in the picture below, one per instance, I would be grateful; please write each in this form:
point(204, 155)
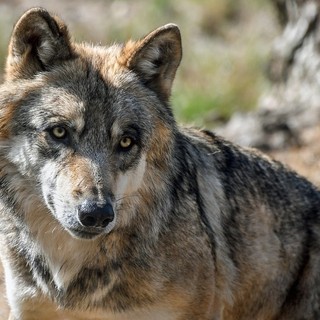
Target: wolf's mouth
point(81, 234)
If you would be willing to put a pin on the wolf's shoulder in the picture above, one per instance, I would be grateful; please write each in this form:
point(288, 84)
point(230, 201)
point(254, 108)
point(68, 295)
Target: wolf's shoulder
point(247, 169)
point(225, 150)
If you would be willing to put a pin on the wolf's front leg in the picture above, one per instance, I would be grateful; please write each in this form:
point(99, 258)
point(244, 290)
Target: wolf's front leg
point(31, 310)
point(25, 301)
point(11, 317)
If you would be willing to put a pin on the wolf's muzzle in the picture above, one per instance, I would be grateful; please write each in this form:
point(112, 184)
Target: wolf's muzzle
point(94, 216)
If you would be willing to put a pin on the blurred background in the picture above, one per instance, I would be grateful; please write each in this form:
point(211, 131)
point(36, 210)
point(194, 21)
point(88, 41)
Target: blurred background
point(226, 44)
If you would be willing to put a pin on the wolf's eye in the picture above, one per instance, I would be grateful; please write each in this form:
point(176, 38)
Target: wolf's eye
point(126, 142)
point(58, 132)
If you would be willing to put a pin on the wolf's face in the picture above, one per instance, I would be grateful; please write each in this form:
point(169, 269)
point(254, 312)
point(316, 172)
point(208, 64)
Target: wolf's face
point(84, 145)
point(85, 126)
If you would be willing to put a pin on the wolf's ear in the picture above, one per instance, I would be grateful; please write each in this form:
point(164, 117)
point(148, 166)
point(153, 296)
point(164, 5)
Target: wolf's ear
point(155, 58)
point(38, 41)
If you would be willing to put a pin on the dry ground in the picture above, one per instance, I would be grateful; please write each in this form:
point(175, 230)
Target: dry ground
point(305, 159)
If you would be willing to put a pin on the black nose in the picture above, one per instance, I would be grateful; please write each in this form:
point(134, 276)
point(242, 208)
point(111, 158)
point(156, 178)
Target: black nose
point(92, 215)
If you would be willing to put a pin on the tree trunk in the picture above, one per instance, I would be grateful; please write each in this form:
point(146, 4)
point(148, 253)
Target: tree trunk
point(293, 103)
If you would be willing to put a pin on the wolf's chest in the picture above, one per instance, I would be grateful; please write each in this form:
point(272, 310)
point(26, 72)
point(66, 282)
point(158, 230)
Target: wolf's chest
point(49, 311)
point(154, 313)
point(75, 280)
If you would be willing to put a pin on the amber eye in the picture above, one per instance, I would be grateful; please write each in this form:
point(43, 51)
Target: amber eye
point(126, 142)
point(59, 132)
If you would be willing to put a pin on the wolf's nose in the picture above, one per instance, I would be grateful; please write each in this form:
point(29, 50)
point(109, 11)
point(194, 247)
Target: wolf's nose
point(92, 215)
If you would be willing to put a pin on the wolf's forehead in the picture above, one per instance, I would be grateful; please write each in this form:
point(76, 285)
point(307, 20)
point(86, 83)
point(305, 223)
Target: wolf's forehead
point(62, 100)
point(85, 106)
point(56, 105)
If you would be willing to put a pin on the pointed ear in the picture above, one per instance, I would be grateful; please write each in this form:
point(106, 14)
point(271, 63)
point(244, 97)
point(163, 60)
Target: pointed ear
point(155, 58)
point(38, 41)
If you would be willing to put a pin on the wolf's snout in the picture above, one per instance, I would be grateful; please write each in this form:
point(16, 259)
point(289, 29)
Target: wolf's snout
point(94, 216)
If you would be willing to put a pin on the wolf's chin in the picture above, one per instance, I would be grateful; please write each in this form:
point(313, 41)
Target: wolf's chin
point(85, 235)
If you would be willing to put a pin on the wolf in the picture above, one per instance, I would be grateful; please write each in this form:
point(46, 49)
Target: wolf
point(109, 210)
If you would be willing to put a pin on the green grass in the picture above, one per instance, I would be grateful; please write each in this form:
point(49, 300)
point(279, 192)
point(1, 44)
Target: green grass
point(214, 87)
point(224, 73)
point(3, 47)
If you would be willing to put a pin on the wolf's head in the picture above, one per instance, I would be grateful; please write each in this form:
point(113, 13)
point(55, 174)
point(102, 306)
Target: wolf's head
point(84, 124)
